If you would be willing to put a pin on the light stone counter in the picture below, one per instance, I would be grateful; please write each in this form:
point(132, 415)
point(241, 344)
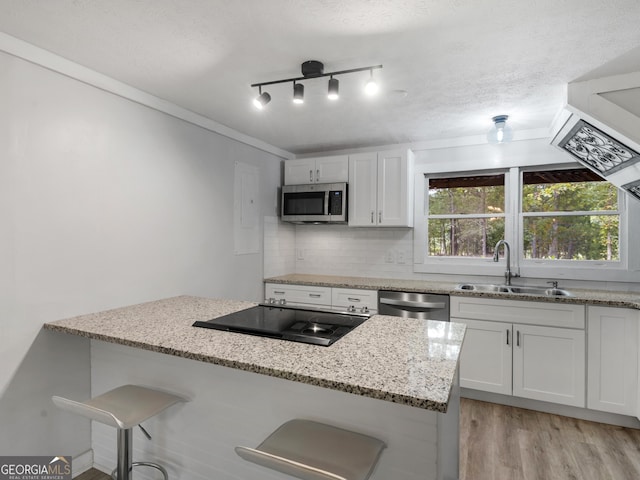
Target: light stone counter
point(406, 361)
point(580, 296)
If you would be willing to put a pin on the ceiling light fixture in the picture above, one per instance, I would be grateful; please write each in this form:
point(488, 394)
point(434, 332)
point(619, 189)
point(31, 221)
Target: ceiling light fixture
point(262, 99)
point(500, 132)
point(334, 87)
point(298, 93)
point(313, 69)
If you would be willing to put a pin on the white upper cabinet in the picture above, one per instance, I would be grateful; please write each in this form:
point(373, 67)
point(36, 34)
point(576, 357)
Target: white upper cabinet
point(381, 189)
point(332, 169)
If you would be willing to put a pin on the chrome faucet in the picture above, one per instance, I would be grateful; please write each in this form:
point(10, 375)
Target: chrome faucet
point(508, 275)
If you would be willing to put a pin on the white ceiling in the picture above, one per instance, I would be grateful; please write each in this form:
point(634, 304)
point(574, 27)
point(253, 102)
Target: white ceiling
point(460, 61)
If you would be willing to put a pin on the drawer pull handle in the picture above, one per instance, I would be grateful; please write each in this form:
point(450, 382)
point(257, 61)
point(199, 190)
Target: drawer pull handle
point(354, 299)
point(315, 295)
point(276, 292)
point(409, 303)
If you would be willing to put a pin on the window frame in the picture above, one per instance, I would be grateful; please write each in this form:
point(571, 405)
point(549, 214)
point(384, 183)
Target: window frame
point(624, 269)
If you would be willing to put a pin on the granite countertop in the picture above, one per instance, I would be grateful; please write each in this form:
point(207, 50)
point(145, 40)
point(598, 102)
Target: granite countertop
point(407, 361)
point(579, 296)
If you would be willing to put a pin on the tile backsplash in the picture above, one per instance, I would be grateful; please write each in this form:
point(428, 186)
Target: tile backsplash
point(367, 252)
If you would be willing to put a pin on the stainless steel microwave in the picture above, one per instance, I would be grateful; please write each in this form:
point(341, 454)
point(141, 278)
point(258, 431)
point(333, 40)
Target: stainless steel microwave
point(314, 203)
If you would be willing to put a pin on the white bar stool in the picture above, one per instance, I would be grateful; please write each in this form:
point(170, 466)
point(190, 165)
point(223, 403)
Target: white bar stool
point(315, 451)
point(124, 408)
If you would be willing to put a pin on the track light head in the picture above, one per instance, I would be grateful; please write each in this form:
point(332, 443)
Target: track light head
point(261, 100)
point(334, 86)
point(371, 87)
point(298, 93)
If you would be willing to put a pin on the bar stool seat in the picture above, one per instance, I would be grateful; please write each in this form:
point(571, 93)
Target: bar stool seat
point(315, 451)
point(124, 407)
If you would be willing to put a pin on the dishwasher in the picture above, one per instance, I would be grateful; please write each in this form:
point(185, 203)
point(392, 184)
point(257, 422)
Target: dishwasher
point(425, 306)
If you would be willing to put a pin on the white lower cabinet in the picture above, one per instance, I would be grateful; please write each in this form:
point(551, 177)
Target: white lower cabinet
point(613, 360)
point(361, 300)
point(339, 298)
point(485, 361)
point(523, 359)
point(549, 364)
point(298, 294)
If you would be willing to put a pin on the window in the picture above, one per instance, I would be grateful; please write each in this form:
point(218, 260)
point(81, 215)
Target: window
point(561, 222)
point(569, 215)
point(466, 215)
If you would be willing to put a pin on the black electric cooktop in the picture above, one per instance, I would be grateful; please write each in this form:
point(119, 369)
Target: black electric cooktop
point(288, 323)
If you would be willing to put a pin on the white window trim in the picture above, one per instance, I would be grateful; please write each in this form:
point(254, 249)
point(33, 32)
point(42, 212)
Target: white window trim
point(626, 269)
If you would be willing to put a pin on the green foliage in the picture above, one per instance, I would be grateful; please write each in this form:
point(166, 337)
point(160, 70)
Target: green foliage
point(579, 237)
point(583, 236)
point(465, 236)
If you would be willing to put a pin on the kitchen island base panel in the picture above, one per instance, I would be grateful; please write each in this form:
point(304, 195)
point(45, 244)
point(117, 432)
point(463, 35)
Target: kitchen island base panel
point(232, 407)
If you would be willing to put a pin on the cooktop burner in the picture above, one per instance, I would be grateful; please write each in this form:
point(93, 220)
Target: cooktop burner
point(287, 323)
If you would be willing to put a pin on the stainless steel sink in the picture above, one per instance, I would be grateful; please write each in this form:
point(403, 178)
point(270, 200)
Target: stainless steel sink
point(513, 289)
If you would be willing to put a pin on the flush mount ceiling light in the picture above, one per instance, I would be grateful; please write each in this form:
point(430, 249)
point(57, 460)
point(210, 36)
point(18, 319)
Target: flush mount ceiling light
point(315, 69)
point(500, 132)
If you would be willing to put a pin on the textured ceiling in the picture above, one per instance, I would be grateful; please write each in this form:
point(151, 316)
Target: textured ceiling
point(460, 61)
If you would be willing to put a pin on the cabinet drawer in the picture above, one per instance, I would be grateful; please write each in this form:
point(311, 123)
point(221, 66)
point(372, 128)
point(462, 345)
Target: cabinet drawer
point(299, 294)
point(346, 297)
point(515, 311)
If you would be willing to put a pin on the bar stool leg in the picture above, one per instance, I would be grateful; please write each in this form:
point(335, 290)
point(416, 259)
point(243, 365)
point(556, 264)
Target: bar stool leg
point(125, 440)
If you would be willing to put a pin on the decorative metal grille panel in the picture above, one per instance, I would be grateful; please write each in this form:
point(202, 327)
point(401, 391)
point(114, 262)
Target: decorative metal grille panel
point(596, 149)
point(633, 188)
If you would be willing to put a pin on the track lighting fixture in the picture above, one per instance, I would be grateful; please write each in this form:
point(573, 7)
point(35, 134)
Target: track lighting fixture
point(500, 132)
point(315, 69)
point(298, 93)
point(334, 86)
point(262, 99)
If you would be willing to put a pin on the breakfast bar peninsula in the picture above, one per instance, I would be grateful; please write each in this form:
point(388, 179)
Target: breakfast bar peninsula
point(391, 378)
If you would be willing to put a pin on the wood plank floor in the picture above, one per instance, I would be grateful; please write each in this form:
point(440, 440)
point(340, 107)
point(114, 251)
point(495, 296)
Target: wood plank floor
point(499, 442)
point(507, 443)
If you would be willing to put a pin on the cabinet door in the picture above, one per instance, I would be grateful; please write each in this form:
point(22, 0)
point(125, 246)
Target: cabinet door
point(549, 364)
point(485, 360)
point(613, 360)
point(299, 172)
point(332, 169)
point(363, 175)
point(393, 185)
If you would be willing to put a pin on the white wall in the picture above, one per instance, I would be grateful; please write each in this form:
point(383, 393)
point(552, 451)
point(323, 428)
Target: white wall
point(103, 203)
point(388, 252)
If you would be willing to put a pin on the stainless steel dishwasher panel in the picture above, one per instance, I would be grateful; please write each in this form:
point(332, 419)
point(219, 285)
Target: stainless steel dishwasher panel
point(425, 306)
